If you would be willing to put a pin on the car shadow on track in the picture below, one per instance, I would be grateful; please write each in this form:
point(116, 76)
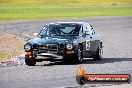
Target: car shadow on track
point(106, 60)
point(90, 61)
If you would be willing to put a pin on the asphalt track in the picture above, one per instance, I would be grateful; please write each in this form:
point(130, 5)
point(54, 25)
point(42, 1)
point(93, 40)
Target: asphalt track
point(117, 58)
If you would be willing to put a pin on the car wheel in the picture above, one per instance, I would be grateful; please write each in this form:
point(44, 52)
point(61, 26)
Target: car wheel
point(98, 55)
point(30, 62)
point(78, 56)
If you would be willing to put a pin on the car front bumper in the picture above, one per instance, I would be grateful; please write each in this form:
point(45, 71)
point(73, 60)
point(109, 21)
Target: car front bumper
point(48, 55)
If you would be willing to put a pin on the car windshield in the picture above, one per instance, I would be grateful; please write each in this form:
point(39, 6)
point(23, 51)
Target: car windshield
point(60, 29)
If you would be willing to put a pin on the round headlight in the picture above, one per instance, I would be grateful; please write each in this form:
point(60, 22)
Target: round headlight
point(27, 47)
point(69, 46)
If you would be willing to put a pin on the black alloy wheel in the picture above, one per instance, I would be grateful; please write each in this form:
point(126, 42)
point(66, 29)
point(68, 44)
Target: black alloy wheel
point(98, 55)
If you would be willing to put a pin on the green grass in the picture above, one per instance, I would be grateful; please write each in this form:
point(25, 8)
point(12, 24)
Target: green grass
point(6, 55)
point(3, 55)
point(57, 9)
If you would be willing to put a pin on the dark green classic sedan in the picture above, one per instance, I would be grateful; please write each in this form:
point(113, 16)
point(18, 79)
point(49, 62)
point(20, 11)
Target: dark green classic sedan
point(64, 41)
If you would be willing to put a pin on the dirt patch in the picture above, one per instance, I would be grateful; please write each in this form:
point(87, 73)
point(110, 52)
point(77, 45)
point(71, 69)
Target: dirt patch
point(10, 45)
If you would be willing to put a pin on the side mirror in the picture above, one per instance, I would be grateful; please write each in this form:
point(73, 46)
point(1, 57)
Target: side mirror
point(36, 34)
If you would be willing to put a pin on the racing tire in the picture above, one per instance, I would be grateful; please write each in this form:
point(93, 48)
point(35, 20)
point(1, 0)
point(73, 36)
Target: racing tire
point(98, 55)
point(30, 62)
point(78, 58)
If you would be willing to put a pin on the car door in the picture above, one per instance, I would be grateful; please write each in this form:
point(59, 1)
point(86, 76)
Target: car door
point(88, 38)
point(91, 38)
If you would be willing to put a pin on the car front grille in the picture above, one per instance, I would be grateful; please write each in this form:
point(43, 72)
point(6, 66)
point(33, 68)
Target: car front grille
point(48, 48)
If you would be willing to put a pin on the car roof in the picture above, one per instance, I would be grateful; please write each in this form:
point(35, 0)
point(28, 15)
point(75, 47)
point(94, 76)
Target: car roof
point(80, 23)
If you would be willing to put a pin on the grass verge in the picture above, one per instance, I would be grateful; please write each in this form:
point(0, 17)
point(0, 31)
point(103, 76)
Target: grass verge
point(6, 55)
point(3, 56)
point(53, 9)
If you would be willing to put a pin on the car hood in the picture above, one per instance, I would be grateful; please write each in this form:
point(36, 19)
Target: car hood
point(53, 40)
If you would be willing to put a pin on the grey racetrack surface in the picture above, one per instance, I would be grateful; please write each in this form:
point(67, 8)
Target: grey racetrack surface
point(117, 58)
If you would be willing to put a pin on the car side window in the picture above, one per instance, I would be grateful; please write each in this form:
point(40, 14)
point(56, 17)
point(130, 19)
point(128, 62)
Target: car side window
point(93, 32)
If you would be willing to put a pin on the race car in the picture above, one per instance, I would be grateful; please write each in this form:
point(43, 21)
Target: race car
point(64, 41)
